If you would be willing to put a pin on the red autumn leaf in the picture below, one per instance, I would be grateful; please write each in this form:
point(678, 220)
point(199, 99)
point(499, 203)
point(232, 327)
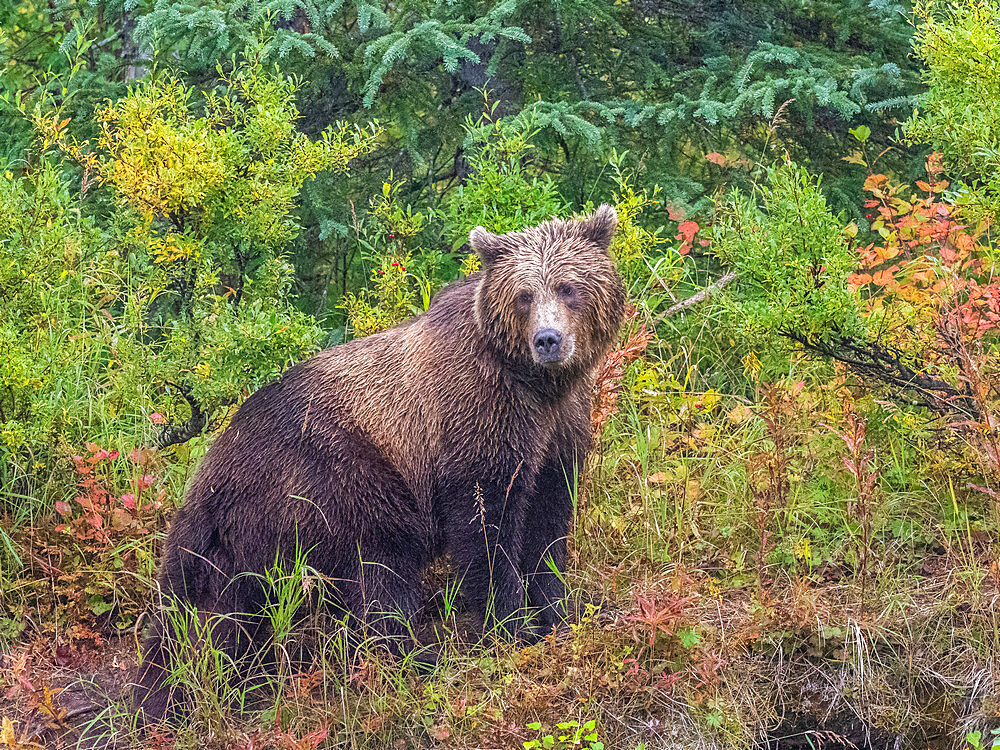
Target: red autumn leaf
point(656, 618)
point(314, 739)
point(666, 682)
point(85, 502)
point(869, 255)
point(717, 158)
point(686, 230)
point(63, 508)
point(859, 279)
point(949, 256)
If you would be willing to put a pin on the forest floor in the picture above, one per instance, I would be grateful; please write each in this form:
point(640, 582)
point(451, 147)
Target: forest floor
point(737, 579)
point(796, 664)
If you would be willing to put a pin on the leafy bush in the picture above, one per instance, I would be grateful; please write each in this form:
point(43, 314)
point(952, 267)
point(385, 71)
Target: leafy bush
point(960, 46)
point(503, 193)
point(402, 273)
point(206, 207)
point(792, 257)
point(177, 298)
point(63, 364)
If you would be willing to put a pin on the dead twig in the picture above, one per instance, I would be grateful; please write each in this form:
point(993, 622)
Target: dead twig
point(697, 298)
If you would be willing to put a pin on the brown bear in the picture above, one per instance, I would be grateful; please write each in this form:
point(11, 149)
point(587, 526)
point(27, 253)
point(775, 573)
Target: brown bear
point(460, 431)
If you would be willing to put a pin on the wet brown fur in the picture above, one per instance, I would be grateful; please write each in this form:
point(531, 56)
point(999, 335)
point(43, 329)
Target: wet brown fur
point(439, 435)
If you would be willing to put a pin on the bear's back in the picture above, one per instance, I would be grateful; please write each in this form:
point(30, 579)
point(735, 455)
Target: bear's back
point(389, 390)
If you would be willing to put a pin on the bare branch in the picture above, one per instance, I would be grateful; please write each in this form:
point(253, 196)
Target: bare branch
point(176, 434)
point(697, 298)
point(889, 365)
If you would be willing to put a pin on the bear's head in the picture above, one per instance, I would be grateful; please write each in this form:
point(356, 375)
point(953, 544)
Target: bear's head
point(549, 298)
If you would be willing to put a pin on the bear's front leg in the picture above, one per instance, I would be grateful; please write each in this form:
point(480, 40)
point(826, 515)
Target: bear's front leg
point(544, 550)
point(485, 542)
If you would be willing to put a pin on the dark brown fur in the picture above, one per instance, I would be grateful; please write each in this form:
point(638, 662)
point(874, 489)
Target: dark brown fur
point(443, 434)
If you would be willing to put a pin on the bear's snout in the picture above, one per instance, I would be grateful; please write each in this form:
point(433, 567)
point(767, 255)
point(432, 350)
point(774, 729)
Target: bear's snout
point(550, 335)
point(548, 343)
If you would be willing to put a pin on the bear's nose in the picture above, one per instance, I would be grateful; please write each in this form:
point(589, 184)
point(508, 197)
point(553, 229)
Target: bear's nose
point(547, 342)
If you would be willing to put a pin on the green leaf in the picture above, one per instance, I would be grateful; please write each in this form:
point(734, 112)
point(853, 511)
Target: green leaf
point(97, 604)
point(689, 637)
point(861, 133)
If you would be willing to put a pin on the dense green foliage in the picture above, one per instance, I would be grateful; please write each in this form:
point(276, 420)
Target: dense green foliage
point(959, 43)
point(173, 296)
point(669, 82)
point(792, 257)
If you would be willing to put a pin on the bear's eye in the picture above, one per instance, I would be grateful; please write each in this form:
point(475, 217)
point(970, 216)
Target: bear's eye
point(524, 300)
point(566, 291)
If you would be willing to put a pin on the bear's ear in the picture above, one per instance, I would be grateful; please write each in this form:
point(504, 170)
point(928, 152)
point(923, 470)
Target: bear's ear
point(600, 227)
point(487, 245)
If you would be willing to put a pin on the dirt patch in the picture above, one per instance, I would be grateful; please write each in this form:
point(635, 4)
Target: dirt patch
point(806, 732)
point(64, 701)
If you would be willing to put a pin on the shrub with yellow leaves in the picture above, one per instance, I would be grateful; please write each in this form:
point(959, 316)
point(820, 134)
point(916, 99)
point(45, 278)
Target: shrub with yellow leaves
point(174, 295)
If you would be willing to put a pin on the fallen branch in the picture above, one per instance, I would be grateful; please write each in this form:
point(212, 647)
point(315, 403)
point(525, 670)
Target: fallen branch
point(890, 366)
point(176, 434)
point(697, 298)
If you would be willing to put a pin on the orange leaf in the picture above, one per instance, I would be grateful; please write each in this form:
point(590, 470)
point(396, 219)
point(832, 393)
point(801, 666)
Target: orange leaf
point(885, 277)
point(686, 230)
point(884, 253)
point(875, 181)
